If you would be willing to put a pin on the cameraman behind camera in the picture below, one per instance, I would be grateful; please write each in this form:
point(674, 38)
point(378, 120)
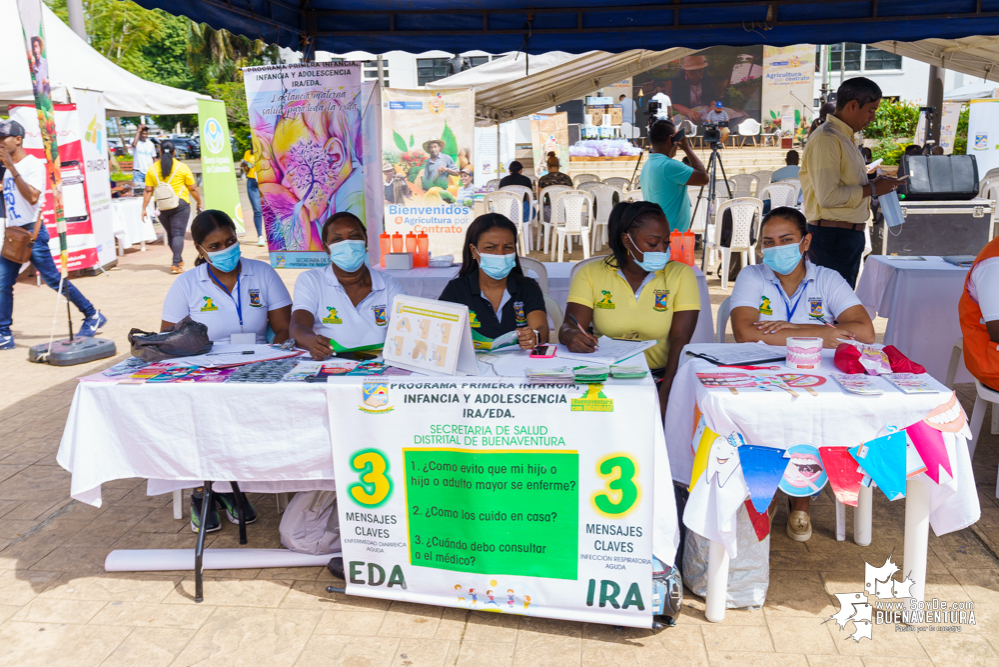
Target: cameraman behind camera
point(665, 180)
point(715, 118)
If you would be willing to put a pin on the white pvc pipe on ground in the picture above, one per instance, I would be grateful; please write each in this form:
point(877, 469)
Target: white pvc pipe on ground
point(840, 520)
point(714, 602)
point(862, 515)
point(917, 533)
point(151, 560)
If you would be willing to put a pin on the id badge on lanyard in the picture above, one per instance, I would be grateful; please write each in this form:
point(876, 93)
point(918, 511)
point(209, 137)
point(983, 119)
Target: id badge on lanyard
point(238, 299)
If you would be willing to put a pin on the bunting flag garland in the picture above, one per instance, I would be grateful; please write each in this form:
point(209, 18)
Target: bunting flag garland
point(929, 443)
point(883, 459)
point(844, 477)
point(762, 468)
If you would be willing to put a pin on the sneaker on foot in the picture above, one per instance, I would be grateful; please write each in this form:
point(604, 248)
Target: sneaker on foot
point(227, 501)
point(6, 342)
point(212, 523)
point(91, 325)
point(261, 242)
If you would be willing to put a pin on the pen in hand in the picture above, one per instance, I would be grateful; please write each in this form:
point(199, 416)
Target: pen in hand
point(583, 331)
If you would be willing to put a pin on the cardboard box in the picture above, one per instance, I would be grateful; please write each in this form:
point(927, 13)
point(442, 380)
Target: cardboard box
point(616, 115)
point(596, 118)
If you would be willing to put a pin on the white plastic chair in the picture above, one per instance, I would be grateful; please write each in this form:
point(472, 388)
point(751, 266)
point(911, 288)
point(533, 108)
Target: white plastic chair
point(622, 184)
point(584, 178)
point(511, 205)
point(551, 217)
point(762, 181)
point(724, 311)
point(746, 213)
point(492, 184)
point(528, 264)
point(579, 265)
point(955, 360)
point(723, 192)
point(743, 184)
point(526, 194)
point(555, 315)
point(633, 195)
point(570, 205)
point(991, 191)
point(585, 187)
point(985, 395)
point(749, 128)
point(604, 198)
point(797, 188)
point(779, 194)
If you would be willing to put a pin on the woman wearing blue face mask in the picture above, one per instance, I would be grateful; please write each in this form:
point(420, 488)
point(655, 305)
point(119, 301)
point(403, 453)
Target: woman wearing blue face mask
point(345, 306)
point(788, 296)
point(500, 298)
point(636, 293)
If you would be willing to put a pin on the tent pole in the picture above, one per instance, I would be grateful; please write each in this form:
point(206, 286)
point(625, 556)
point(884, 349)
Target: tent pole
point(934, 100)
point(76, 20)
point(381, 72)
point(499, 168)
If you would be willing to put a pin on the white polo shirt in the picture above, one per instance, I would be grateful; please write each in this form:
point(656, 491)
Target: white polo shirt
point(194, 293)
point(819, 299)
point(319, 292)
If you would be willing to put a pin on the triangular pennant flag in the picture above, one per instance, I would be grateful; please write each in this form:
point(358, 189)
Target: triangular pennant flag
point(701, 456)
point(929, 443)
point(760, 521)
point(884, 460)
point(913, 463)
point(763, 468)
point(844, 477)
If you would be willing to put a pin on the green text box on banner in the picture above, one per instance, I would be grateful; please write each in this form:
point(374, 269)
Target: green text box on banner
point(218, 175)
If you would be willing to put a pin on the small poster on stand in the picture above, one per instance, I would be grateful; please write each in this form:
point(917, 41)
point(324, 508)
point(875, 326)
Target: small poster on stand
point(428, 336)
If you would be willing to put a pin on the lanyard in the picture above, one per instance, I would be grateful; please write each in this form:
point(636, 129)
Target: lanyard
point(238, 299)
point(787, 305)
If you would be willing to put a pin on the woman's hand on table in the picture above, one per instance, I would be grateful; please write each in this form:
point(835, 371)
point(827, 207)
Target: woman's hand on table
point(320, 347)
point(832, 338)
point(582, 342)
point(527, 338)
point(773, 326)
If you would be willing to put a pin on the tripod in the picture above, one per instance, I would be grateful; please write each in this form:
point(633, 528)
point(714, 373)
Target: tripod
point(713, 164)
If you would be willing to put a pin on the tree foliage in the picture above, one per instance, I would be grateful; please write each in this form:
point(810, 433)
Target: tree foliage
point(894, 120)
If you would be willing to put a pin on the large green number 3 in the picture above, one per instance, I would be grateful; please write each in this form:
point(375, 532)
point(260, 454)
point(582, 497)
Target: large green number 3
point(374, 485)
point(622, 492)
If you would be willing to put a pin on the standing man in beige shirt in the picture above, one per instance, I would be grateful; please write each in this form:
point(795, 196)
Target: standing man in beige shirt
point(834, 186)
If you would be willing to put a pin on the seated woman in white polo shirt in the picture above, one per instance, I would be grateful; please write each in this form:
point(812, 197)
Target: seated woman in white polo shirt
point(344, 306)
point(230, 295)
point(788, 296)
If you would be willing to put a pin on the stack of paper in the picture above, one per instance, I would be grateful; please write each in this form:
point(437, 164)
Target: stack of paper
point(591, 374)
point(628, 372)
point(609, 351)
point(910, 383)
point(561, 375)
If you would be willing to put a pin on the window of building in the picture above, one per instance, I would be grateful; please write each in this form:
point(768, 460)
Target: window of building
point(431, 69)
point(872, 58)
point(876, 59)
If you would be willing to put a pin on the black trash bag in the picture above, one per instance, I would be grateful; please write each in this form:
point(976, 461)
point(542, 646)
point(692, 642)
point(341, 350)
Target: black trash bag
point(187, 338)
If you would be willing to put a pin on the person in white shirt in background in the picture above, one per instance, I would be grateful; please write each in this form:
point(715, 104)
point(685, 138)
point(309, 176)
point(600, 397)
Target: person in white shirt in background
point(24, 183)
point(344, 306)
point(144, 153)
point(788, 296)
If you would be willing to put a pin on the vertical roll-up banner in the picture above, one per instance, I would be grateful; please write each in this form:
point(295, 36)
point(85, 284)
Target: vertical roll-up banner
point(306, 120)
point(90, 111)
point(218, 175)
point(788, 75)
point(983, 134)
point(30, 12)
point(550, 134)
point(427, 140)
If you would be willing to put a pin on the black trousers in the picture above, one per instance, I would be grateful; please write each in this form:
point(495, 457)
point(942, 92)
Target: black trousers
point(837, 249)
point(174, 224)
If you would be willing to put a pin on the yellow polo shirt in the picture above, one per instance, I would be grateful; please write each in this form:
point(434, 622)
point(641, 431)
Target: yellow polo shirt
point(619, 313)
point(180, 180)
point(833, 175)
point(249, 159)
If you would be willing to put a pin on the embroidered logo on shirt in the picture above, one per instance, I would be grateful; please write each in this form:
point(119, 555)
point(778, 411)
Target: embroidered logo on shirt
point(255, 298)
point(765, 308)
point(605, 301)
point(332, 318)
point(662, 298)
point(209, 305)
point(380, 318)
point(473, 320)
point(815, 307)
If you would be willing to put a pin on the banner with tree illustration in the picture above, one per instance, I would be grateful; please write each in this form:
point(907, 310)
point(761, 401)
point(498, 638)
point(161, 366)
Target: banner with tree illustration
point(306, 121)
point(427, 144)
point(788, 75)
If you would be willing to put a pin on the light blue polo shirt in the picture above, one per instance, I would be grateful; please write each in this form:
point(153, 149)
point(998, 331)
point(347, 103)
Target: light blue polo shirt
point(664, 181)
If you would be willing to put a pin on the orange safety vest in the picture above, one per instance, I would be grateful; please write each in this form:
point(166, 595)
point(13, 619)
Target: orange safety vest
point(981, 355)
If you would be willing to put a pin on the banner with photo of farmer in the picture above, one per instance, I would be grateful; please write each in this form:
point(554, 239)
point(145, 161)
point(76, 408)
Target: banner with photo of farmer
point(306, 121)
point(427, 144)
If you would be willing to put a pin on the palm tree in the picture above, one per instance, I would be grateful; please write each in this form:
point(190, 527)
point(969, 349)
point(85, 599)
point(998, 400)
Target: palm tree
point(219, 56)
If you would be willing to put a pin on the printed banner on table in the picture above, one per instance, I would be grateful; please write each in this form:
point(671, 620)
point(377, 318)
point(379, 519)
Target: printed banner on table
point(217, 171)
point(498, 496)
point(948, 126)
point(30, 12)
point(306, 120)
point(92, 118)
point(428, 138)
point(983, 134)
point(788, 81)
point(487, 153)
point(550, 134)
point(81, 247)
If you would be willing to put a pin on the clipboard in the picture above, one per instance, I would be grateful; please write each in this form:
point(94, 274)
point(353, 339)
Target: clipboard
point(429, 336)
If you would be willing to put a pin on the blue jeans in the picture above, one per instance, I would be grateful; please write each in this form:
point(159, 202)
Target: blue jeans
point(41, 257)
point(253, 192)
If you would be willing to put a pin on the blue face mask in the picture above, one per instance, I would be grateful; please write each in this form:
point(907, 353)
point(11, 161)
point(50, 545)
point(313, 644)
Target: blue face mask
point(651, 261)
point(225, 260)
point(349, 255)
point(498, 267)
point(782, 258)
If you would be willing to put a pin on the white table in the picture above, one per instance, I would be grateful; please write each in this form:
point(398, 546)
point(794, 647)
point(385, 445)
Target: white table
point(129, 227)
point(920, 299)
point(832, 418)
point(429, 283)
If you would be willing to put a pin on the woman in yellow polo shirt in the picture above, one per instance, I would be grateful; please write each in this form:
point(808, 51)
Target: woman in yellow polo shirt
point(636, 293)
point(178, 175)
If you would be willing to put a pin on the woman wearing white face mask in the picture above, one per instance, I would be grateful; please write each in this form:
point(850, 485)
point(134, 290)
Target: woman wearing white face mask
point(500, 298)
point(344, 306)
point(636, 293)
point(788, 296)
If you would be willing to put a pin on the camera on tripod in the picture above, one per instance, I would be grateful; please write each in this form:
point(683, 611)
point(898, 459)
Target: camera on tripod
point(652, 111)
point(712, 132)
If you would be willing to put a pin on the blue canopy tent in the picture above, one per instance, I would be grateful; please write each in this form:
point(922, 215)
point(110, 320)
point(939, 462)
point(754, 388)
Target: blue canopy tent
point(576, 26)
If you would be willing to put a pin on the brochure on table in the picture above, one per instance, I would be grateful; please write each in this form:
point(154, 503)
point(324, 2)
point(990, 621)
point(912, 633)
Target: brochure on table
point(429, 336)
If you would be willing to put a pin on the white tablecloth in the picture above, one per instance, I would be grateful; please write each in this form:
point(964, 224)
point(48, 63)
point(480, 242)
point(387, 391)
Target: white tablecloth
point(129, 227)
point(920, 300)
point(429, 283)
point(833, 418)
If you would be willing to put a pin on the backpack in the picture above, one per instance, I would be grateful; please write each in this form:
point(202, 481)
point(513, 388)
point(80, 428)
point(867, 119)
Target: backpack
point(164, 195)
point(311, 525)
